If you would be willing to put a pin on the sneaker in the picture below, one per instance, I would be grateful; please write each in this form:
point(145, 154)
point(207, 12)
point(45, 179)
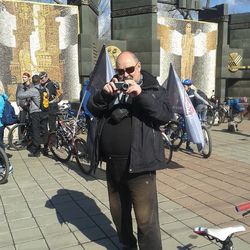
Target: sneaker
point(189, 149)
point(45, 151)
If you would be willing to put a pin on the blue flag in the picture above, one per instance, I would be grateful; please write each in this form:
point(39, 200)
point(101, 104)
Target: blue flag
point(182, 104)
point(103, 71)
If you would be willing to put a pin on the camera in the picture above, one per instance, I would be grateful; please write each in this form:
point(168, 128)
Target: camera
point(122, 86)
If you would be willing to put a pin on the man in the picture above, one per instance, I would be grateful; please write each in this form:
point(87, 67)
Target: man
point(129, 141)
point(39, 119)
point(53, 102)
point(24, 103)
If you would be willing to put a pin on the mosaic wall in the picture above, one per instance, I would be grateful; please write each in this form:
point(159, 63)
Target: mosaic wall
point(191, 47)
point(39, 37)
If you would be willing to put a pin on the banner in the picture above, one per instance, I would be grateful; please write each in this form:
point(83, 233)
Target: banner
point(103, 71)
point(182, 105)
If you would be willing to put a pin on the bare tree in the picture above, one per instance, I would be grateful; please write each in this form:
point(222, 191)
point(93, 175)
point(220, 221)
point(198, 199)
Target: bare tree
point(172, 8)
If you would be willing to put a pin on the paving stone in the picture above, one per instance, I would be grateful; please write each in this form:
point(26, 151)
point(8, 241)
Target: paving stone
point(99, 245)
point(5, 239)
point(61, 207)
point(33, 245)
point(26, 235)
point(61, 241)
point(55, 229)
point(89, 234)
point(22, 224)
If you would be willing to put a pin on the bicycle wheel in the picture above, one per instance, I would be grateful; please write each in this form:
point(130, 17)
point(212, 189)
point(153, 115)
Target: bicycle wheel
point(4, 167)
point(168, 151)
point(59, 147)
point(18, 137)
point(207, 150)
point(82, 157)
point(175, 133)
point(210, 118)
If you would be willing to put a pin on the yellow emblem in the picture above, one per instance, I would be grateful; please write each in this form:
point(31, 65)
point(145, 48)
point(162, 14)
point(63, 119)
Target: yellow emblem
point(113, 52)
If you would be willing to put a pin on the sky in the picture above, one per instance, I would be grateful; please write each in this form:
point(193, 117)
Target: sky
point(234, 6)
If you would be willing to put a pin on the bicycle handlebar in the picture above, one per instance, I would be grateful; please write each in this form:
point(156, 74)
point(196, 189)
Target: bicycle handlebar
point(243, 207)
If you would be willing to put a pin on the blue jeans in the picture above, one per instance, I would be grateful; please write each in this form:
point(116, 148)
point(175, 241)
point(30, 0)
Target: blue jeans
point(138, 190)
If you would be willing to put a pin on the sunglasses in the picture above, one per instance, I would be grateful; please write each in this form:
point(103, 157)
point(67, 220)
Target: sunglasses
point(128, 70)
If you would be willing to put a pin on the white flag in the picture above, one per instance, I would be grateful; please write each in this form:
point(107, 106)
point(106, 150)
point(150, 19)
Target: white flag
point(182, 104)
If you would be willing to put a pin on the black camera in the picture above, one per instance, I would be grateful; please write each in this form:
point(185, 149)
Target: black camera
point(122, 86)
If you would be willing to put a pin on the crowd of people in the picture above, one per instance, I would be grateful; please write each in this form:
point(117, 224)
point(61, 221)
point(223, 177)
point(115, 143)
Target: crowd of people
point(127, 138)
point(28, 99)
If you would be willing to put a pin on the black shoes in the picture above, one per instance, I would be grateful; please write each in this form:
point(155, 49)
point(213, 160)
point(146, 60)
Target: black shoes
point(45, 151)
point(34, 154)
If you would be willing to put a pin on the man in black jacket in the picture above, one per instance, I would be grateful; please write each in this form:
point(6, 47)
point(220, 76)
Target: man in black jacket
point(53, 102)
point(130, 109)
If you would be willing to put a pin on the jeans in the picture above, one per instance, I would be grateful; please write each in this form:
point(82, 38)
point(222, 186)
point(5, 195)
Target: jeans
point(138, 190)
point(201, 110)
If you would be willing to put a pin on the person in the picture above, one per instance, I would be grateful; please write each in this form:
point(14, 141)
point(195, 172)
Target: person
point(53, 103)
point(199, 103)
point(23, 104)
point(39, 118)
point(128, 139)
point(3, 98)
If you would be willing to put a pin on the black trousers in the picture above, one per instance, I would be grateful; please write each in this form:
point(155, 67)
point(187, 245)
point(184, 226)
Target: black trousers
point(138, 191)
point(53, 110)
point(39, 122)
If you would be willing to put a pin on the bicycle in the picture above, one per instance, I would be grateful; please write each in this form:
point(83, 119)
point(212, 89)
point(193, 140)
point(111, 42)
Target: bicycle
point(63, 143)
point(4, 166)
point(220, 235)
point(19, 136)
point(177, 134)
point(67, 113)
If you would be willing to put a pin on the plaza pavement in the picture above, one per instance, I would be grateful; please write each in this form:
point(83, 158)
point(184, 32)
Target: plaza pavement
point(50, 205)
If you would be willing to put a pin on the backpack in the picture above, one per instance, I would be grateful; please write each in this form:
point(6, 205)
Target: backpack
point(44, 98)
point(59, 91)
point(9, 116)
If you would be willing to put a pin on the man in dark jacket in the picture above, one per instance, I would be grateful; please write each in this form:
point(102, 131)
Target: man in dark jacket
point(53, 102)
point(39, 118)
point(129, 141)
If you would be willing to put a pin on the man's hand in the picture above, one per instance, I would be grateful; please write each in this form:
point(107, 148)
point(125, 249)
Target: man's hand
point(110, 88)
point(134, 88)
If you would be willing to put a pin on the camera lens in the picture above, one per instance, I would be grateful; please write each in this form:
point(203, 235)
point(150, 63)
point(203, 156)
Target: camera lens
point(125, 86)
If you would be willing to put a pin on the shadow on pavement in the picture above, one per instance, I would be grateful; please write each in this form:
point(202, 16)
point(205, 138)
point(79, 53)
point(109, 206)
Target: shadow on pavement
point(226, 131)
point(72, 165)
point(80, 212)
point(174, 165)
